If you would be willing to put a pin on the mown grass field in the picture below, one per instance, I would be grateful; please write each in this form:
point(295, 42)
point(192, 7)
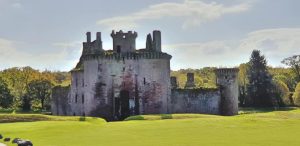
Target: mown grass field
point(248, 129)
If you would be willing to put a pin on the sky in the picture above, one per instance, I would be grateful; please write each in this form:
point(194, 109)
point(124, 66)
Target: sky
point(48, 34)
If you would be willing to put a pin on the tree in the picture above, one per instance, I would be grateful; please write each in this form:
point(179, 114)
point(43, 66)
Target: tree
point(40, 90)
point(6, 98)
point(281, 93)
point(260, 81)
point(294, 63)
point(296, 96)
point(243, 83)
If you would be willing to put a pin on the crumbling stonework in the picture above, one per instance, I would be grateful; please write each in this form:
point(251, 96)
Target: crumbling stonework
point(59, 103)
point(118, 83)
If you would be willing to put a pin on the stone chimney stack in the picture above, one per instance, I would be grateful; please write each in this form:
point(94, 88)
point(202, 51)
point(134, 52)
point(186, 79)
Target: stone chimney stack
point(88, 37)
point(190, 83)
point(157, 40)
point(98, 36)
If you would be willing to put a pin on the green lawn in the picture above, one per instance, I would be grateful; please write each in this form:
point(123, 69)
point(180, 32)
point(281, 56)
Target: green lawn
point(250, 128)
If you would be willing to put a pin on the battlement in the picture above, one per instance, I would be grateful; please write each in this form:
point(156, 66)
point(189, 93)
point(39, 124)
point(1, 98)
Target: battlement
point(221, 71)
point(124, 35)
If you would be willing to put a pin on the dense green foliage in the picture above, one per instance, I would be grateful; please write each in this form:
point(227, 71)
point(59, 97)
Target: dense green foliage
point(6, 98)
point(260, 81)
point(259, 128)
point(296, 96)
point(26, 86)
point(294, 63)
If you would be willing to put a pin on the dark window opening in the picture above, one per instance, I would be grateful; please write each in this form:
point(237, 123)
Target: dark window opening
point(123, 60)
point(76, 82)
point(144, 81)
point(226, 77)
point(74, 114)
point(99, 67)
point(123, 69)
point(82, 98)
point(82, 82)
point(118, 49)
point(76, 98)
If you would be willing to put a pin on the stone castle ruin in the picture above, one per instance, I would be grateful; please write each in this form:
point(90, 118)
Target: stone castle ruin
point(124, 81)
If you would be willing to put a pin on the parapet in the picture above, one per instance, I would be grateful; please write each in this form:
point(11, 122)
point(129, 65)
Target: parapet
point(221, 71)
point(124, 35)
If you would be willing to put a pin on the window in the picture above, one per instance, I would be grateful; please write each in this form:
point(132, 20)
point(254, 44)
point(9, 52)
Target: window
point(99, 67)
point(76, 82)
point(82, 82)
point(82, 98)
point(123, 69)
point(118, 49)
point(76, 98)
point(144, 81)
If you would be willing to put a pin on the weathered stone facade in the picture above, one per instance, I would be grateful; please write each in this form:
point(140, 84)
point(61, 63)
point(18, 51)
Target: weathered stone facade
point(117, 83)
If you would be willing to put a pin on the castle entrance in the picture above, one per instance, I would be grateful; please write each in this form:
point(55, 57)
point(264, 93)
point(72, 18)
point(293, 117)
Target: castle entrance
point(124, 104)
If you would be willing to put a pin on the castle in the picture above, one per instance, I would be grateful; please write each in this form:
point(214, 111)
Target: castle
point(124, 81)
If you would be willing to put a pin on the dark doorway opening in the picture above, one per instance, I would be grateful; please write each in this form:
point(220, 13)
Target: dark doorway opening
point(124, 104)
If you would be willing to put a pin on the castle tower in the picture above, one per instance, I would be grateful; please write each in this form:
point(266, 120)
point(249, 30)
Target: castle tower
point(190, 82)
point(227, 80)
point(124, 42)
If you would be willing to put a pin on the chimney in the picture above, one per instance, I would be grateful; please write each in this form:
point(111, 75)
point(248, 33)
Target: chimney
point(88, 37)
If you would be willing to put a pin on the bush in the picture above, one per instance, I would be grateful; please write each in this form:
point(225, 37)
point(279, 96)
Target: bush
point(282, 93)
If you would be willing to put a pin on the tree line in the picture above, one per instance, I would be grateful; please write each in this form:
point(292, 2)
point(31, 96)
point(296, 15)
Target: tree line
point(26, 89)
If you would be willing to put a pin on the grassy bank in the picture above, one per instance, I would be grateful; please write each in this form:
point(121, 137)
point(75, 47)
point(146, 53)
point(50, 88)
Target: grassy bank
point(274, 128)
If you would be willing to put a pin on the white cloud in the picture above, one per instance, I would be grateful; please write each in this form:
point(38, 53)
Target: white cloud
point(276, 44)
point(12, 56)
point(193, 12)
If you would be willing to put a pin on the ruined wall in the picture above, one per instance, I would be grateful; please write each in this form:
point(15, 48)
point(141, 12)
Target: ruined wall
point(60, 105)
point(205, 101)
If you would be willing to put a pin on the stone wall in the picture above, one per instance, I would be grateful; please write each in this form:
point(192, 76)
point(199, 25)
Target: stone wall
point(60, 105)
point(205, 101)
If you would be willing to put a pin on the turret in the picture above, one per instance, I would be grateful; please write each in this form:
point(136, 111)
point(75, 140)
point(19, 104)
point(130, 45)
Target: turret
point(228, 84)
point(124, 42)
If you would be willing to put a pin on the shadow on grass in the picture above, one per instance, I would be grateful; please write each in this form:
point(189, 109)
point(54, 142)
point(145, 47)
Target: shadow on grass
point(137, 117)
point(82, 119)
point(166, 116)
point(250, 110)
